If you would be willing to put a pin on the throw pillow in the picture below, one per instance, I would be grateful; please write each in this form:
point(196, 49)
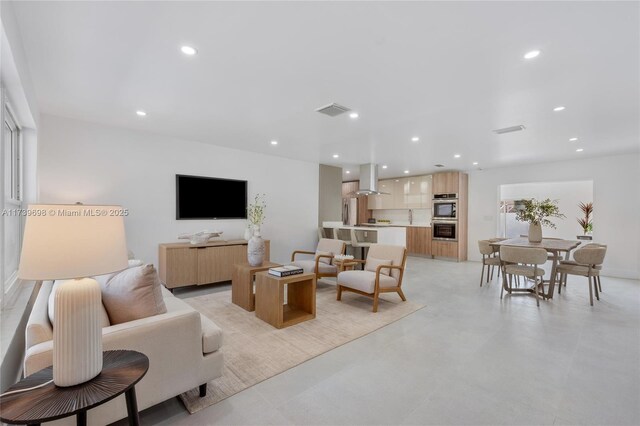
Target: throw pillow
point(51, 309)
point(373, 263)
point(133, 294)
point(324, 259)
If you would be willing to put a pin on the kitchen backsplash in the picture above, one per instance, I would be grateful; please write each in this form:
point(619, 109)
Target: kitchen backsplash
point(401, 217)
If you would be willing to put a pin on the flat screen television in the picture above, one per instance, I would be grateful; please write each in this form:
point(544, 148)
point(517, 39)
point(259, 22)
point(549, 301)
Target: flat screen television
point(199, 197)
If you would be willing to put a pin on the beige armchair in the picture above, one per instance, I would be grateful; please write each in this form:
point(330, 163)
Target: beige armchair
point(588, 263)
point(383, 271)
point(322, 264)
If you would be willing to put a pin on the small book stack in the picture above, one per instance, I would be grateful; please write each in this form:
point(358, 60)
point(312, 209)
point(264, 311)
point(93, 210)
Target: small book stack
point(285, 271)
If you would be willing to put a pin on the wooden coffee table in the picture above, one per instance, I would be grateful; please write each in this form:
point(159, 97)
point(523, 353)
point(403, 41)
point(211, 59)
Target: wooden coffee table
point(301, 299)
point(242, 283)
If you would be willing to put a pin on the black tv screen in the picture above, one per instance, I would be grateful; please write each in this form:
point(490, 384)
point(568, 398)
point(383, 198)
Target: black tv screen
point(199, 197)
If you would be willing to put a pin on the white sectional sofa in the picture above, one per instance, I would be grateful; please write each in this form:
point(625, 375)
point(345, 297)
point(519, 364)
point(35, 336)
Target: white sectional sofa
point(184, 350)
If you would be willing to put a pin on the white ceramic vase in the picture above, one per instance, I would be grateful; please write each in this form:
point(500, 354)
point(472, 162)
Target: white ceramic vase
point(255, 249)
point(77, 332)
point(247, 233)
point(535, 233)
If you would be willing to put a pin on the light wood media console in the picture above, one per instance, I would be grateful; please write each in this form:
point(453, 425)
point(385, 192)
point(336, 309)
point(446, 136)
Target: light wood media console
point(185, 264)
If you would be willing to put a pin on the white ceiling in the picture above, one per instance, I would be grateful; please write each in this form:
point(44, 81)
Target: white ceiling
point(448, 72)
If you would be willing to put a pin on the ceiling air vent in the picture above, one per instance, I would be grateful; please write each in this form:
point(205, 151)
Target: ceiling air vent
point(332, 110)
point(439, 165)
point(509, 129)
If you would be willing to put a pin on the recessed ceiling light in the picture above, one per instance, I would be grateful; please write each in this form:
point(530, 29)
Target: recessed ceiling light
point(384, 166)
point(456, 156)
point(558, 108)
point(347, 172)
point(475, 163)
point(579, 150)
point(141, 113)
point(188, 50)
point(335, 156)
point(274, 142)
point(532, 54)
point(573, 139)
point(406, 172)
point(415, 139)
point(354, 115)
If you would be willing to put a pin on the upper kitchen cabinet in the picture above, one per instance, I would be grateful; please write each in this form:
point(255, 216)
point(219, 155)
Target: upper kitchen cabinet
point(383, 201)
point(413, 196)
point(349, 189)
point(446, 183)
point(403, 193)
point(400, 193)
point(426, 193)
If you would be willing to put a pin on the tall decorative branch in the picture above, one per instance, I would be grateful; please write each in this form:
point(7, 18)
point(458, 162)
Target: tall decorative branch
point(256, 211)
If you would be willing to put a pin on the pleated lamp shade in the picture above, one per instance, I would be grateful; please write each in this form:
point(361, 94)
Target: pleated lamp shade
point(73, 242)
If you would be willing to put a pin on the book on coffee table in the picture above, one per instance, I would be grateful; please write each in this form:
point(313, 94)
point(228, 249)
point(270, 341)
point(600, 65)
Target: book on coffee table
point(286, 270)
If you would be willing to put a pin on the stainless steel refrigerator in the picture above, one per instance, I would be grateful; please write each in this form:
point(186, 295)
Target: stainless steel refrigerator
point(350, 211)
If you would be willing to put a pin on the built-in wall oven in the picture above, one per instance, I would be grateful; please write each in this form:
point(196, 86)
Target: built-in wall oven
point(445, 207)
point(444, 230)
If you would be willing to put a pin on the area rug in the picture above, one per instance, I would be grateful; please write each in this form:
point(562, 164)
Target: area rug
point(255, 351)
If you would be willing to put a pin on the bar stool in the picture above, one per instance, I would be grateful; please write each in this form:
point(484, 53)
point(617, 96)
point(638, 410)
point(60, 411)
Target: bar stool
point(344, 235)
point(358, 240)
point(326, 233)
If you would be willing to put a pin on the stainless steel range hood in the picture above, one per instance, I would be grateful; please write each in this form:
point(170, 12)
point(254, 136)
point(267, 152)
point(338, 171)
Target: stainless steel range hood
point(369, 180)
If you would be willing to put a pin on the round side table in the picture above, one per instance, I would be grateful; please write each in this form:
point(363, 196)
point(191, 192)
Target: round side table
point(121, 371)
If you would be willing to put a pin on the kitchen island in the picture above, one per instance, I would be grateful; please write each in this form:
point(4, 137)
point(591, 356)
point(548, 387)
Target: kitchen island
point(394, 235)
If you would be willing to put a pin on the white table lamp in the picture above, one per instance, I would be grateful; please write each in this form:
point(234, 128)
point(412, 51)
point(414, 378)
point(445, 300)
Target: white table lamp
point(72, 242)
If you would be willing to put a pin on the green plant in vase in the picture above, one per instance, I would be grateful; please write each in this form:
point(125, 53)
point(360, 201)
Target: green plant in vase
point(537, 214)
point(586, 223)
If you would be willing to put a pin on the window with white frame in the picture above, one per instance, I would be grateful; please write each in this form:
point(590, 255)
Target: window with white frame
point(11, 219)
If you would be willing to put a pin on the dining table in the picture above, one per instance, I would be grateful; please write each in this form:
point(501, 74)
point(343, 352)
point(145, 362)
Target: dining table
point(557, 247)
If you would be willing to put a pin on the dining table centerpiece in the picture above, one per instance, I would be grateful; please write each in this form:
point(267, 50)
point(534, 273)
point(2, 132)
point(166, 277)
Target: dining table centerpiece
point(537, 214)
point(256, 216)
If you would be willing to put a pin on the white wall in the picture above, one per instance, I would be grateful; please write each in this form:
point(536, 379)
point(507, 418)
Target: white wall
point(568, 196)
point(14, 69)
point(616, 198)
point(91, 163)
point(330, 194)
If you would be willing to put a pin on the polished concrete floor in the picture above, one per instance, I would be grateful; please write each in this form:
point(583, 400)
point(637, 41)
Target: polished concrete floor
point(467, 358)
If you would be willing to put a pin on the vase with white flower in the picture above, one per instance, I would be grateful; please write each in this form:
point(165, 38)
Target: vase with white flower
point(256, 216)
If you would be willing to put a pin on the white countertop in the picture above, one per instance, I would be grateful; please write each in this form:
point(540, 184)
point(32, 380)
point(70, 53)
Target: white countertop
point(403, 225)
point(365, 227)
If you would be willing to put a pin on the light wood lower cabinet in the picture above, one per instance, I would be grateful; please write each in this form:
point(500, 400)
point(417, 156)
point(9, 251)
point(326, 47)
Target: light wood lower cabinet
point(178, 266)
point(215, 264)
point(183, 264)
point(444, 249)
point(418, 240)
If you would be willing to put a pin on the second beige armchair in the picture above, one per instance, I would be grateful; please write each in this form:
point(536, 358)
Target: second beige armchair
point(383, 271)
